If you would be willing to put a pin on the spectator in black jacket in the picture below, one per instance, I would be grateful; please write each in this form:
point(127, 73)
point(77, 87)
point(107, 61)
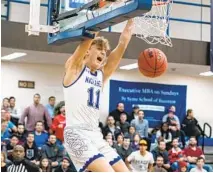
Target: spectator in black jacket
point(190, 125)
point(31, 150)
point(125, 150)
point(134, 114)
point(51, 151)
point(66, 166)
point(13, 142)
point(19, 163)
point(117, 112)
point(21, 133)
point(123, 124)
point(110, 127)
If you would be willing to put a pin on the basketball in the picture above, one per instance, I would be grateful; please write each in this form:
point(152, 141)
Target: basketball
point(152, 62)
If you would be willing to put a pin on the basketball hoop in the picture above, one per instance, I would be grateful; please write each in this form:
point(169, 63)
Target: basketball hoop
point(152, 26)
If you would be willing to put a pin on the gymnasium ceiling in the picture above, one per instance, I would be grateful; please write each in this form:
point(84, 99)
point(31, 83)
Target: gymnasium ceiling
point(40, 57)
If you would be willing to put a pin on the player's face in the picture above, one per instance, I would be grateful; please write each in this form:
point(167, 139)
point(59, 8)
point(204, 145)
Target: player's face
point(97, 57)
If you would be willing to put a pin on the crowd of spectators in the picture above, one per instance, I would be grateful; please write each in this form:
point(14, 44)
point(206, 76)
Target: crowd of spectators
point(32, 139)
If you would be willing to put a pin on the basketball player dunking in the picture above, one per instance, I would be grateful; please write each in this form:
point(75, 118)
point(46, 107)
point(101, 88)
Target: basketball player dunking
point(86, 71)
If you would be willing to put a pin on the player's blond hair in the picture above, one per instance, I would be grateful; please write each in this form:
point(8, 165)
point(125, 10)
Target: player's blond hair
point(102, 42)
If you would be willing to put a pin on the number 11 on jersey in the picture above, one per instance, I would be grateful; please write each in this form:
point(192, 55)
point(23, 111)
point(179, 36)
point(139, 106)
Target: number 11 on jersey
point(93, 98)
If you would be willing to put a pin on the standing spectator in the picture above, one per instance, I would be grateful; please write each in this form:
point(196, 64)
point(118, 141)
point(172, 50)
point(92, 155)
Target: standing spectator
point(110, 127)
point(160, 150)
point(142, 160)
point(51, 151)
point(123, 124)
point(10, 146)
point(125, 150)
point(134, 114)
point(51, 106)
point(31, 150)
point(190, 125)
point(14, 112)
point(6, 116)
point(132, 133)
point(19, 163)
point(41, 137)
point(117, 112)
point(159, 165)
point(3, 162)
point(141, 125)
point(21, 134)
point(59, 122)
point(135, 144)
point(175, 155)
point(165, 134)
point(5, 134)
point(35, 112)
point(5, 104)
point(193, 152)
point(45, 165)
point(199, 165)
point(66, 166)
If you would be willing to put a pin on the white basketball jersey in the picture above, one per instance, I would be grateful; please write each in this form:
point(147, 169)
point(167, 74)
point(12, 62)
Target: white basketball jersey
point(82, 99)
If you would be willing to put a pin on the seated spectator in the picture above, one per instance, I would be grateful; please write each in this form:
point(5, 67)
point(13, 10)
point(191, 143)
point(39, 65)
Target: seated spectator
point(109, 136)
point(174, 124)
point(165, 134)
point(141, 125)
point(19, 163)
point(120, 140)
point(10, 146)
point(31, 150)
point(193, 152)
point(190, 125)
point(110, 127)
point(14, 112)
point(199, 165)
point(160, 150)
point(134, 114)
point(3, 163)
point(111, 143)
point(41, 137)
point(183, 166)
point(51, 106)
point(5, 104)
point(21, 134)
point(125, 150)
point(5, 134)
point(159, 165)
point(66, 166)
point(142, 160)
point(59, 122)
point(175, 155)
point(51, 151)
point(34, 113)
point(117, 112)
point(123, 124)
point(45, 165)
point(6, 116)
point(135, 143)
point(132, 133)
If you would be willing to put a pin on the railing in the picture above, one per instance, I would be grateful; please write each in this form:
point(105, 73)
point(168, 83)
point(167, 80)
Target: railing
point(204, 134)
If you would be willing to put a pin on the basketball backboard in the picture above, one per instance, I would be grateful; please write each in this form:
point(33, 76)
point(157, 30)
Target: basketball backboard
point(76, 18)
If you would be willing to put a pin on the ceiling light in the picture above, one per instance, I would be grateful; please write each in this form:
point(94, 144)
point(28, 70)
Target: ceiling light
point(129, 67)
point(208, 73)
point(13, 56)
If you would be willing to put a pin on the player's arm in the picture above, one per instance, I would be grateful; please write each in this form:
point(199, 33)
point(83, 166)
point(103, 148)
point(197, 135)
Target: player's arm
point(79, 54)
point(115, 56)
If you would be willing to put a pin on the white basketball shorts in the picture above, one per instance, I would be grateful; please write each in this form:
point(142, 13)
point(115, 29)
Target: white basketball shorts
point(85, 145)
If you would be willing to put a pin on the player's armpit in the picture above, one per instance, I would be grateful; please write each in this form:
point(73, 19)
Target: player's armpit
point(115, 56)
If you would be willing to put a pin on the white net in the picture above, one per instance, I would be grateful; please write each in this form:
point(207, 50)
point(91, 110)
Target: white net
point(152, 26)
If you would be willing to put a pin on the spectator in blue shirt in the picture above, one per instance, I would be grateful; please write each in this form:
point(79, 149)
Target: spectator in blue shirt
point(141, 125)
point(41, 137)
point(5, 134)
point(51, 106)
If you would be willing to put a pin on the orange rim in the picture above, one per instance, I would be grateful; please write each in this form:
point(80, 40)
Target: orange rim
point(162, 3)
